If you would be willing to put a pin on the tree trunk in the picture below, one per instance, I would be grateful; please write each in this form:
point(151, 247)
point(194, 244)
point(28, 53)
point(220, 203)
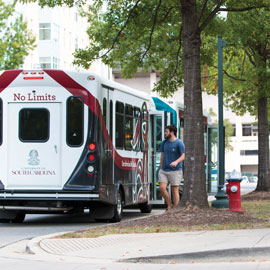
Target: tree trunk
point(195, 181)
point(263, 146)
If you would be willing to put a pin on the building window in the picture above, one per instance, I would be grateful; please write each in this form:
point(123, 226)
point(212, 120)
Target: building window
point(75, 121)
point(128, 126)
point(250, 130)
point(55, 62)
point(45, 62)
point(254, 130)
point(246, 130)
point(119, 125)
point(76, 46)
point(56, 32)
point(234, 130)
point(44, 31)
point(34, 125)
point(249, 152)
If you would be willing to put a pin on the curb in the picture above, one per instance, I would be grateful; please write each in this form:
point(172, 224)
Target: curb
point(33, 247)
point(219, 255)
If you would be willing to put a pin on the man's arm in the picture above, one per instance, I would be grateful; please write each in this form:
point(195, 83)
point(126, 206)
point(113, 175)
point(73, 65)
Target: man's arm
point(161, 160)
point(180, 159)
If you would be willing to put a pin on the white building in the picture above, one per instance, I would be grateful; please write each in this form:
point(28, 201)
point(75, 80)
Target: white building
point(59, 32)
point(244, 156)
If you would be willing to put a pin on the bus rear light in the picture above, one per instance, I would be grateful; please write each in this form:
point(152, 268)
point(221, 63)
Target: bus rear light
point(41, 72)
point(91, 78)
point(90, 169)
point(24, 72)
point(92, 146)
point(91, 157)
point(33, 73)
point(33, 78)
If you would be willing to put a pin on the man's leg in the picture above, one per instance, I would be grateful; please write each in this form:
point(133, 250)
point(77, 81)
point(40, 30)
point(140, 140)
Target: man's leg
point(165, 194)
point(175, 195)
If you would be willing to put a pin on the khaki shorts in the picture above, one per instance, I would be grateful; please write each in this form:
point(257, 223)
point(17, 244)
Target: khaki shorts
point(173, 177)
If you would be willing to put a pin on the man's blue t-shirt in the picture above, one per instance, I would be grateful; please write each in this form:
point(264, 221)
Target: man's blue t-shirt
point(172, 151)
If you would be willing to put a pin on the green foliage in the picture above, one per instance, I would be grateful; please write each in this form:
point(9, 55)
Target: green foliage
point(15, 41)
point(143, 35)
point(246, 61)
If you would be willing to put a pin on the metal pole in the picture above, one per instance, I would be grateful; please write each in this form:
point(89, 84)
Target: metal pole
point(221, 198)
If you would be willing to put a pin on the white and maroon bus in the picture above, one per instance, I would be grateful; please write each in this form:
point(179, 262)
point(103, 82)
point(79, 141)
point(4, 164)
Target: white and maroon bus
point(71, 141)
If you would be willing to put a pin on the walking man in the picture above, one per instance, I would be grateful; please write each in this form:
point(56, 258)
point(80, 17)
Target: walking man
point(172, 157)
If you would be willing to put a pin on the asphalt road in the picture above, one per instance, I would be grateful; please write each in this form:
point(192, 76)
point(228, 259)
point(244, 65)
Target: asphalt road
point(37, 225)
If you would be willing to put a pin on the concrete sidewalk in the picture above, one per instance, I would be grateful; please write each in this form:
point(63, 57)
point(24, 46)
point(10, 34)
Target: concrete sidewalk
point(180, 247)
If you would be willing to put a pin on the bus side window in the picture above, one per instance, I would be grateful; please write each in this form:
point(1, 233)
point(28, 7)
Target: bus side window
point(75, 126)
point(136, 141)
point(104, 111)
point(171, 116)
point(128, 127)
point(181, 128)
point(144, 144)
point(119, 125)
point(1, 121)
point(111, 120)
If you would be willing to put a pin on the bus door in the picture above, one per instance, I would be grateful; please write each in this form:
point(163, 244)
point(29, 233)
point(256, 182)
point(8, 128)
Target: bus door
point(157, 131)
point(212, 159)
point(34, 146)
point(107, 153)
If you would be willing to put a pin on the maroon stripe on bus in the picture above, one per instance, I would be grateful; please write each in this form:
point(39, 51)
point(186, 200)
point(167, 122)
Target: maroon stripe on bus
point(8, 77)
point(78, 90)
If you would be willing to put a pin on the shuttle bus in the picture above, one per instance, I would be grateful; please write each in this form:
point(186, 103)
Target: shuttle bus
point(71, 141)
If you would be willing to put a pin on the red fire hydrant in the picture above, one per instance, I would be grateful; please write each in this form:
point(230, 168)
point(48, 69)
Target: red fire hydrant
point(233, 191)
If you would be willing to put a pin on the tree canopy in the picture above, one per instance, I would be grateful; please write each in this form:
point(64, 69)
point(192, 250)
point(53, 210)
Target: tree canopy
point(16, 41)
point(247, 81)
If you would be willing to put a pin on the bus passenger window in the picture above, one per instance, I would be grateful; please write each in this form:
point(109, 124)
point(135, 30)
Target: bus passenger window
point(111, 119)
point(128, 127)
point(34, 125)
point(104, 111)
point(119, 125)
point(144, 144)
point(75, 121)
point(136, 141)
point(1, 121)
point(181, 128)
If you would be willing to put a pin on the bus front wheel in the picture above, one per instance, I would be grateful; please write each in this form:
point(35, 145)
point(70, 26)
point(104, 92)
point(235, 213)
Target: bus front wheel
point(118, 208)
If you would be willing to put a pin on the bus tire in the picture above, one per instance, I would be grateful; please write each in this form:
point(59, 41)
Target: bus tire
point(7, 217)
point(19, 218)
point(118, 208)
point(145, 207)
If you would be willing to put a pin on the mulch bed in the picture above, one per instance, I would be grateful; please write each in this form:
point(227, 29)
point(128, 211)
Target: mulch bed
point(192, 216)
point(256, 196)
